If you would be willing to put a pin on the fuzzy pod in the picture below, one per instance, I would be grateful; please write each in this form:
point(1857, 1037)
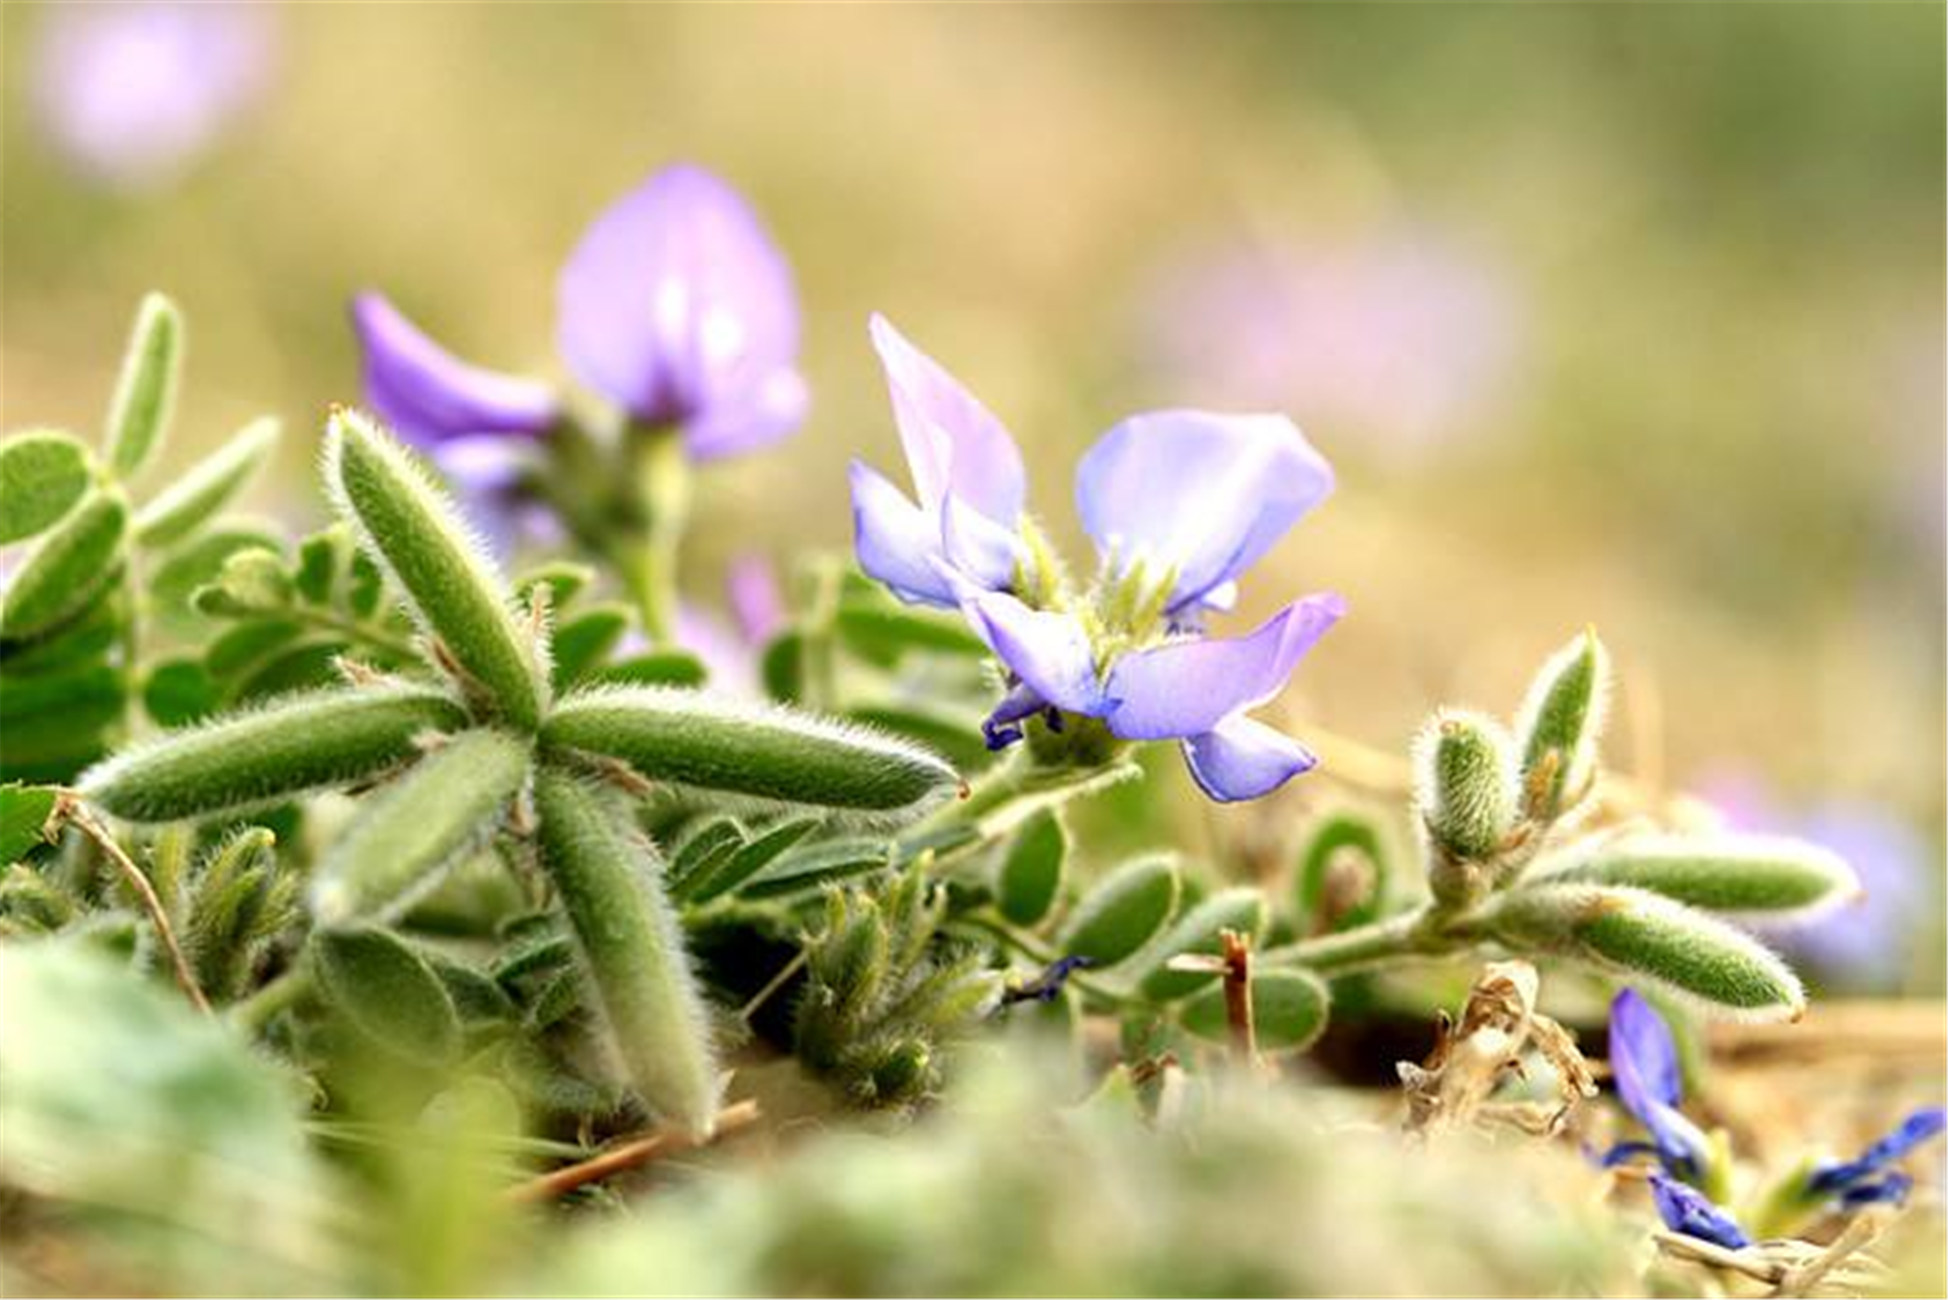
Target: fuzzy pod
point(293, 745)
point(67, 568)
point(1464, 770)
point(388, 992)
point(1289, 1010)
point(43, 472)
point(1560, 725)
point(424, 544)
point(708, 742)
point(1196, 931)
point(1647, 935)
point(1755, 875)
point(1124, 911)
point(407, 835)
point(609, 883)
point(207, 486)
point(145, 392)
point(1030, 873)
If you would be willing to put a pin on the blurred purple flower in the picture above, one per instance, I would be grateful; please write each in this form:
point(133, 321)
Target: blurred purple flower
point(1179, 504)
point(1868, 942)
point(1867, 1179)
point(675, 306)
point(1643, 1060)
point(1402, 337)
point(755, 601)
point(130, 93)
point(1687, 1210)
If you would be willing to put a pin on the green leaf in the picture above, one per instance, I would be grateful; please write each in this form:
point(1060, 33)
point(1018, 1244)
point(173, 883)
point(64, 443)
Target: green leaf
point(585, 640)
point(303, 665)
point(815, 866)
point(1342, 877)
point(454, 590)
point(1560, 725)
point(438, 813)
point(42, 474)
point(54, 724)
point(247, 646)
point(1030, 874)
point(654, 668)
point(207, 486)
point(707, 742)
point(179, 692)
point(1649, 936)
point(197, 563)
point(883, 633)
point(702, 849)
point(67, 569)
point(83, 640)
point(782, 667)
point(608, 881)
point(748, 859)
point(25, 811)
point(1196, 931)
point(388, 992)
point(1722, 873)
point(258, 757)
point(145, 394)
point(563, 579)
point(1289, 1009)
point(1124, 910)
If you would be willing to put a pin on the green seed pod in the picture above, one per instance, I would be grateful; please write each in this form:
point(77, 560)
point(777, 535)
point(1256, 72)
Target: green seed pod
point(1031, 871)
point(707, 742)
point(300, 743)
point(67, 568)
point(388, 992)
point(1646, 935)
point(1560, 725)
point(1124, 911)
point(1289, 1009)
point(1465, 785)
point(207, 486)
point(609, 883)
point(407, 835)
point(420, 538)
point(42, 474)
point(1739, 874)
point(1196, 931)
point(145, 394)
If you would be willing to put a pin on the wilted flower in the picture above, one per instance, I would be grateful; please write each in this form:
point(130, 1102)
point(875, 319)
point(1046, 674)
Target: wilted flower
point(1867, 1179)
point(1687, 1210)
point(1644, 1062)
point(1179, 503)
point(131, 93)
point(675, 306)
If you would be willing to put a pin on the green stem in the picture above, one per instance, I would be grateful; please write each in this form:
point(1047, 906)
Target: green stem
point(261, 1007)
point(1419, 933)
point(820, 659)
point(1033, 949)
point(661, 475)
point(1004, 795)
point(371, 637)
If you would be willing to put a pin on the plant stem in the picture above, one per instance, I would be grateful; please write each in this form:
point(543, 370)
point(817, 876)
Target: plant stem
point(629, 1155)
point(661, 477)
point(369, 636)
point(1033, 949)
point(83, 821)
point(1418, 933)
point(257, 1010)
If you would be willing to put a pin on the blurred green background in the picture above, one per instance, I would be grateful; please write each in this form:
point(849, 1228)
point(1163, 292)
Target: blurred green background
point(1612, 314)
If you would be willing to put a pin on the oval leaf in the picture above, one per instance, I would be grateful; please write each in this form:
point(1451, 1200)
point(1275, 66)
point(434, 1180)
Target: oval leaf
point(42, 474)
point(145, 394)
point(1196, 931)
point(207, 486)
point(1289, 1009)
point(1124, 911)
point(67, 569)
point(1031, 872)
point(388, 992)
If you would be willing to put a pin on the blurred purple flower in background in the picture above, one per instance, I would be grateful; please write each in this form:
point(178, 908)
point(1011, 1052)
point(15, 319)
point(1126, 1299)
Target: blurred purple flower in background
point(1403, 338)
point(1867, 943)
point(130, 94)
point(1179, 504)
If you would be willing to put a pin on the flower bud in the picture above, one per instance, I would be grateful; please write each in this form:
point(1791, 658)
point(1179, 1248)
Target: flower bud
point(1560, 725)
point(1464, 769)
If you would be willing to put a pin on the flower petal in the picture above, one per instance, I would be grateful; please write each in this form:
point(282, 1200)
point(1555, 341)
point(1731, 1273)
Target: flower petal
point(773, 406)
point(1687, 1210)
point(1243, 759)
point(428, 395)
point(676, 302)
point(1186, 688)
point(980, 549)
point(952, 442)
point(1644, 1062)
point(897, 542)
point(1910, 1133)
point(1203, 494)
point(1049, 651)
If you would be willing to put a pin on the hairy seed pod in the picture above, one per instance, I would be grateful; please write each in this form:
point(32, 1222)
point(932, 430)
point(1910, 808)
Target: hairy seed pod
point(707, 742)
point(145, 394)
point(1633, 930)
point(419, 537)
point(610, 886)
point(312, 741)
point(1197, 931)
point(1768, 875)
point(207, 486)
point(1123, 911)
point(67, 568)
point(1560, 724)
point(421, 824)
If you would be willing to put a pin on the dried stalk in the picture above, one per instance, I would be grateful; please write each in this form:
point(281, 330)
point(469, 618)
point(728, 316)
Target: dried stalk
point(629, 1155)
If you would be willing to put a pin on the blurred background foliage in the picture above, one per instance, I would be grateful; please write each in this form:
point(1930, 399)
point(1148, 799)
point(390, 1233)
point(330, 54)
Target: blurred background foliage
point(1617, 314)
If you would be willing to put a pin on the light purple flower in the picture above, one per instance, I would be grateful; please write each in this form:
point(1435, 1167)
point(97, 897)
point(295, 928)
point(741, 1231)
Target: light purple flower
point(131, 93)
point(756, 604)
point(677, 307)
point(1179, 504)
point(674, 306)
point(1643, 1060)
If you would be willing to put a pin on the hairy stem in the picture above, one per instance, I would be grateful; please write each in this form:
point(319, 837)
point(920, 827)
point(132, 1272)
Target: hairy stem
point(661, 477)
point(1421, 932)
point(82, 820)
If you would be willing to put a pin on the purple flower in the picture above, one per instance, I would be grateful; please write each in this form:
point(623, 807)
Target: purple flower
point(677, 307)
point(1179, 504)
point(131, 93)
point(1687, 1210)
point(755, 601)
point(1867, 1178)
point(674, 306)
point(1643, 1060)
